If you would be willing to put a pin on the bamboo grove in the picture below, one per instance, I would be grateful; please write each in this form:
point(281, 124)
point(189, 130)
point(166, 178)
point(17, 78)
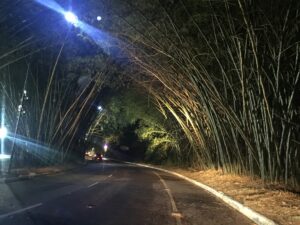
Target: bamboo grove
point(45, 119)
point(44, 105)
point(224, 74)
point(228, 73)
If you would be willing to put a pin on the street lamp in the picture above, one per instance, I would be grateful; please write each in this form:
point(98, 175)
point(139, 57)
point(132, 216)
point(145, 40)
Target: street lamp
point(3, 132)
point(99, 108)
point(71, 18)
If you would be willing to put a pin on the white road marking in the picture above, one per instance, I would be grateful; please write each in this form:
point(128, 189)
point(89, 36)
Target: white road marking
point(93, 184)
point(175, 212)
point(98, 182)
point(20, 210)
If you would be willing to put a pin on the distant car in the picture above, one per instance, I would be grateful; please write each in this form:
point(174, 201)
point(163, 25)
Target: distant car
point(97, 157)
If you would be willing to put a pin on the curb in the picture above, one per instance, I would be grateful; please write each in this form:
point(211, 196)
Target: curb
point(33, 174)
point(21, 177)
point(251, 214)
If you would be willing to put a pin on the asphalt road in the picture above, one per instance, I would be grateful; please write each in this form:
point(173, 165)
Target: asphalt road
point(111, 194)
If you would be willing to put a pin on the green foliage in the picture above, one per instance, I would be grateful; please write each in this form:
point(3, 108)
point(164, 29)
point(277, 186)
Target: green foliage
point(160, 142)
point(128, 111)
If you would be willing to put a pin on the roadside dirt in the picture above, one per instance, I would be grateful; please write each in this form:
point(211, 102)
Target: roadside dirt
point(42, 170)
point(271, 200)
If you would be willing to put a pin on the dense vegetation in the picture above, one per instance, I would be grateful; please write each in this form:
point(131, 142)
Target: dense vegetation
point(132, 121)
point(224, 76)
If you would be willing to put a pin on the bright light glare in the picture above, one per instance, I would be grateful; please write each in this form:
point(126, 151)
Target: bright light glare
point(99, 37)
point(99, 108)
point(4, 156)
point(3, 132)
point(105, 147)
point(43, 152)
point(51, 4)
point(71, 18)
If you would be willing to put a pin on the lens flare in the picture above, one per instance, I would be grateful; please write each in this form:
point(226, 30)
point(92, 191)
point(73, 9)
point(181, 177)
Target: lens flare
point(35, 148)
point(4, 156)
point(3, 132)
point(51, 4)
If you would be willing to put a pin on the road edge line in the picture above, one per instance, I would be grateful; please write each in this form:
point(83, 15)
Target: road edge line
point(92, 185)
point(246, 211)
point(171, 198)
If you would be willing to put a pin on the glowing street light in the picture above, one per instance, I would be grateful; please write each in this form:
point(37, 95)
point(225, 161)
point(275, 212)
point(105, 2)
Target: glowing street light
point(99, 108)
point(105, 147)
point(3, 132)
point(99, 36)
point(71, 18)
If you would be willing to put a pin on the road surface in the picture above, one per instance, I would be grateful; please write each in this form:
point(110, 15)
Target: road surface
point(111, 193)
